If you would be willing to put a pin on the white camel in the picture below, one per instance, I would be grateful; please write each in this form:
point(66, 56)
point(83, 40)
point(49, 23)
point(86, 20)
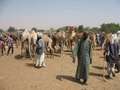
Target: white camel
point(28, 42)
point(33, 36)
point(25, 42)
point(70, 36)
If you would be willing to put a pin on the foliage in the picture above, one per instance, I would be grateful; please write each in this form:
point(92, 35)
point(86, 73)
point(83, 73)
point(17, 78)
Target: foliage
point(80, 28)
point(1, 30)
point(11, 29)
point(107, 28)
point(64, 28)
point(110, 27)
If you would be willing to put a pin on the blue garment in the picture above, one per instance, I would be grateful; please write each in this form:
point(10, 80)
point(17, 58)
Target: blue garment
point(40, 47)
point(102, 38)
point(112, 52)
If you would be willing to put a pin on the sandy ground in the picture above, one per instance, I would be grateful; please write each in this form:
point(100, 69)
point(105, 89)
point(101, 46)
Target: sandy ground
point(19, 74)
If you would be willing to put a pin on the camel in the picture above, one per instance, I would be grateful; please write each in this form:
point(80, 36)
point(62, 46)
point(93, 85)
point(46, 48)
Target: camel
point(29, 41)
point(25, 43)
point(60, 41)
point(93, 39)
point(33, 36)
point(48, 45)
point(70, 37)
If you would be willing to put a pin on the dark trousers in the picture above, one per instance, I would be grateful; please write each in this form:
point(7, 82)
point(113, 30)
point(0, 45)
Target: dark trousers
point(10, 49)
point(2, 51)
point(117, 66)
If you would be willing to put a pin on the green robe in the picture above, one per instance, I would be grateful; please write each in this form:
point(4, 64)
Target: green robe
point(84, 57)
point(74, 51)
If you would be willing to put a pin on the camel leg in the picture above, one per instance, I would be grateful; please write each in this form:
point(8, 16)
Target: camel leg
point(22, 46)
point(52, 53)
point(30, 53)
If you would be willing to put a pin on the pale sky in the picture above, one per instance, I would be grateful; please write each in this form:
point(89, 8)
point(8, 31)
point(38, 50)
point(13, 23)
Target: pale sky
point(46, 14)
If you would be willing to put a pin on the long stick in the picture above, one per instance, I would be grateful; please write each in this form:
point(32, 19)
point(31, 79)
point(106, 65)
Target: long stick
point(104, 69)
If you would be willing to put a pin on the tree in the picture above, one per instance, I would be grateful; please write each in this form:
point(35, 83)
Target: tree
point(1, 30)
point(51, 30)
point(86, 29)
point(64, 28)
point(11, 29)
point(80, 28)
point(110, 27)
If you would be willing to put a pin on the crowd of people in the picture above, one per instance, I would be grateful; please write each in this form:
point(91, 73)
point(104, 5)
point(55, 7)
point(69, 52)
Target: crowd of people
point(82, 52)
point(110, 43)
point(8, 41)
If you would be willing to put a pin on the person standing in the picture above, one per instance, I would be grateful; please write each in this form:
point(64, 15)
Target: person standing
point(112, 56)
point(10, 44)
point(1, 46)
point(117, 65)
point(98, 39)
point(84, 57)
point(102, 39)
point(40, 52)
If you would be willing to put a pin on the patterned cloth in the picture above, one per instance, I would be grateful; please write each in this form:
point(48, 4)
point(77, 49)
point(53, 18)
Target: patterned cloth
point(1, 43)
point(112, 51)
point(10, 42)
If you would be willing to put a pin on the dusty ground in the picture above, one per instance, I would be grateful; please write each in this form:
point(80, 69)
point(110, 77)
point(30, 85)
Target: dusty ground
point(19, 74)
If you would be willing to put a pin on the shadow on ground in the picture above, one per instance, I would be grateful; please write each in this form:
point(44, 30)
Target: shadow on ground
point(18, 56)
point(70, 54)
point(102, 57)
point(53, 55)
point(98, 67)
point(96, 74)
point(30, 65)
point(57, 55)
point(98, 49)
point(67, 50)
point(70, 78)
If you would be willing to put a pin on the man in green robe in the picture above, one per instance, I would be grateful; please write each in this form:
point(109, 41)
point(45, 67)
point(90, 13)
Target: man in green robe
point(84, 58)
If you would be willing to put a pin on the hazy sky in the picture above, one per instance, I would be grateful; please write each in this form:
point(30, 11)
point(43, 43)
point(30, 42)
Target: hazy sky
point(56, 13)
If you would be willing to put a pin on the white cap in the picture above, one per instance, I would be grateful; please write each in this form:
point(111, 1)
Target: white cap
point(40, 34)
